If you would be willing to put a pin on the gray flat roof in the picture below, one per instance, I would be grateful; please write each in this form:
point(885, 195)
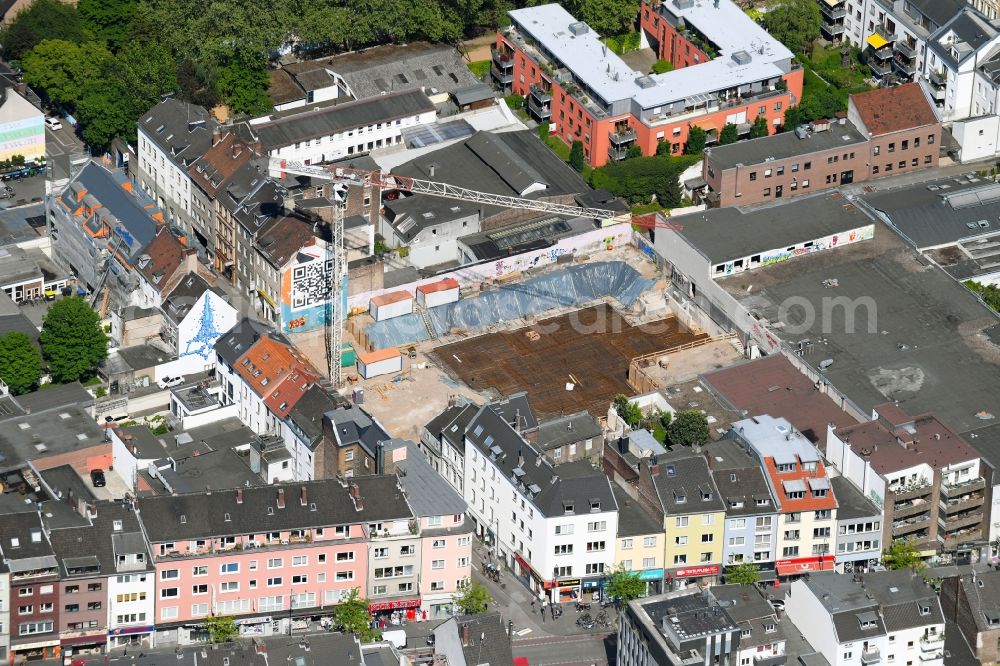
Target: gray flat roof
point(942, 212)
point(724, 234)
point(919, 342)
point(784, 145)
point(46, 433)
point(851, 502)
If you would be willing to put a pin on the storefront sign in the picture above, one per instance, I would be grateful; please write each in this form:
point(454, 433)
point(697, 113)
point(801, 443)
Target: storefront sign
point(568, 582)
point(651, 574)
point(803, 565)
point(394, 605)
point(253, 620)
point(531, 572)
point(125, 631)
point(708, 570)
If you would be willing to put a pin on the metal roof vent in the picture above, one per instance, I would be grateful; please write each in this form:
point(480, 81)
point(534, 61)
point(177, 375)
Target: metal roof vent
point(683, 4)
point(741, 58)
point(578, 28)
point(645, 82)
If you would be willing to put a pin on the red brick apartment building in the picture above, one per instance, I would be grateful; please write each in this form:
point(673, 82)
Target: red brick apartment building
point(727, 70)
point(886, 131)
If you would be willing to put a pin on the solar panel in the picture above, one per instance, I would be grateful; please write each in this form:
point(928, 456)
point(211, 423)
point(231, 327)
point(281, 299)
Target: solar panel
point(428, 135)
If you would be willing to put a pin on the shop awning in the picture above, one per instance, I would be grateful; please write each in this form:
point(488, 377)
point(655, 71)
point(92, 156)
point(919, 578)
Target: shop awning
point(397, 604)
point(84, 640)
point(877, 41)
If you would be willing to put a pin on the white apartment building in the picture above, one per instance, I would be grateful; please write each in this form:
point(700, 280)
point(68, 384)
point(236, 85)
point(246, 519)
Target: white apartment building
point(335, 131)
point(555, 527)
point(171, 137)
point(131, 608)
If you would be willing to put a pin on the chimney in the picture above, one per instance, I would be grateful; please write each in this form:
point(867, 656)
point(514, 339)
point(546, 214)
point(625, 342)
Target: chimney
point(710, 460)
point(281, 498)
point(654, 467)
point(239, 496)
point(216, 136)
point(520, 457)
point(355, 491)
point(465, 635)
point(303, 496)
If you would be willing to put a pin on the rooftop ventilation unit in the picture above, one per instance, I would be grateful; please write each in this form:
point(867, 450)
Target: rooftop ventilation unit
point(683, 4)
point(645, 82)
point(578, 28)
point(741, 58)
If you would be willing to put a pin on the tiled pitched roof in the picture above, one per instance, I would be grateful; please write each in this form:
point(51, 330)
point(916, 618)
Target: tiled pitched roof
point(276, 371)
point(279, 243)
point(214, 169)
point(886, 110)
point(165, 255)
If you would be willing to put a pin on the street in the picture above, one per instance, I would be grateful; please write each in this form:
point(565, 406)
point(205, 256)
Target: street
point(587, 650)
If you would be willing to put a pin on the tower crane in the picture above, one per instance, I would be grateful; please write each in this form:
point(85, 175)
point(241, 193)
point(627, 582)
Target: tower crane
point(349, 176)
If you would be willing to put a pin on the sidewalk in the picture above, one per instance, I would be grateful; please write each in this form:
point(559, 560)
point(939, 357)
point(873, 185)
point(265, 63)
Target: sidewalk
point(513, 600)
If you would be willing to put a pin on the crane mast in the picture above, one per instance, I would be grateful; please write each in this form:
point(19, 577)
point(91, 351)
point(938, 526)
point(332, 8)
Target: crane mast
point(347, 176)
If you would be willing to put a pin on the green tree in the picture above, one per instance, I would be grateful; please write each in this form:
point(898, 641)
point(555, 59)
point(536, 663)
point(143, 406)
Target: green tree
point(576, 156)
point(795, 23)
point(641, 179)
point(221, 628)
point(729, 134)
point(543, 131)
point(633, 151)
point(244, 87)
point(662, 67)
point(72, 340)
point(41, 20)
point(351, 617)
point(106, 21)
point(759, 127)
point(903, 554)
point(628, 411)
point(63, 71)
point(688, 428)
point(663, 148)
point(473, 599)
point(514, 101)
point(20, 362)
point(793, 118)
point(625, 585)
point(696, 141)
point(103, 118)
point(607, 17)
point(745, 573)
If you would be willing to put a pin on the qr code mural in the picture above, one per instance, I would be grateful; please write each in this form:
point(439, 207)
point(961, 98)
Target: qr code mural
point(311, 283)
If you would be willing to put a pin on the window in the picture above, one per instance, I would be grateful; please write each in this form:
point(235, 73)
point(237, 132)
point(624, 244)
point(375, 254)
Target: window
point(626, 544)
point(680, 559)
point(72, 608)
point(767, 173)
point(767, 192)
point(275, 563)
point(72, 589)
point(597, 526)
point(169, 574)
point(199, 571)
point(707, 519)
point(790, 551)
point(904, 145)
point(437, 564)
point(168, 593)
point(707, 538)
point(738, 524)
point(595, 546)
point(902, 164)
point(779, 171)
point(823, 514)
point(680, 541)
point(303, 560)
point(927, 159)
point(347, 557)
point(916, 142)
point(199, 609)
point(737, 541)
point(380, 553)
point(564, 549)
point(199, 589)
point(595, 568)
point(300, 579)
point(706, 557)
point(878, 149)
point(562, 572)
point(649, 542)
point(681, 521)
point(28, 628)
point(274, 581)
point(791, 535)
point(930, 139)
point(229, 586)
point(753, 175)
point(229, 568)
point(344, 575)
point(892, 147)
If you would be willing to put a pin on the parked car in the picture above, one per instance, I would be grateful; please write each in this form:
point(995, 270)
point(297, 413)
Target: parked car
point(169, 382)
point(97, 478)
point(53, 124)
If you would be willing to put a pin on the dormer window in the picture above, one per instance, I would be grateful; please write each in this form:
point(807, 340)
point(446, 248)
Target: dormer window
point(671, 470)
point(595, 505)
point(680, 497)
point(568, 507)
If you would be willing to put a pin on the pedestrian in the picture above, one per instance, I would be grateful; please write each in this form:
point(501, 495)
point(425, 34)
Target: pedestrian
point(543, 615)
point(532, 604)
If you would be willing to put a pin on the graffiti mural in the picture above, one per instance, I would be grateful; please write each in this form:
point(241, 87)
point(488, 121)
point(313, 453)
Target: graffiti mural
point(305, 290)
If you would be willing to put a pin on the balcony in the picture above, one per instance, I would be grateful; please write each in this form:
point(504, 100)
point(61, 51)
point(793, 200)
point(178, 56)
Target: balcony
point(833, 29)
point(834, 13)
point(900, 528)
point(617, 153)
point(905, 50)
point(938, 79)
point(958, 489)
point(964, 520)
point(932, 642)
point(541, 112)
point(965, 503)
point(503, 60)
point(907, 509)
point(904, 66)
point(624, 135)
point(504, 78)
point(954, 540)
point(937, 656)
point(911, 492)
point(543, 95)
point(870, 656)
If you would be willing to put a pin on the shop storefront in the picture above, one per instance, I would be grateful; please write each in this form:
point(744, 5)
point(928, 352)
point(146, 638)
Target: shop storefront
point(528, 577)
point(394, 612)
point(653, 578)
point(124, 636)
point(563, 590)
point(37, 650)
point(75, 645)
point(800, 566)
point(593, 586)
point(678, 579)
point(258, 626)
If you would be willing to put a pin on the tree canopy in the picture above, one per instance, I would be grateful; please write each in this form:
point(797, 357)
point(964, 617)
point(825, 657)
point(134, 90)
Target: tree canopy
point(795, 23)
point(902, 554)
point(221, 628)
point(41, 20)
point(351, 617)
point(628, 411)
point(72, 340)
point(696, 141)
point(20, 363)
point(759, 127)
point(729, 134)
point(576, 156)
point(745, 573)
point(625, 585)
point(639, 180)
point(689, 427)
point(473, 599)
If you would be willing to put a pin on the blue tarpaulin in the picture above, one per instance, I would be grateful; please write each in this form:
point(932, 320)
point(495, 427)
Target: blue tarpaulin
point(568, 287)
